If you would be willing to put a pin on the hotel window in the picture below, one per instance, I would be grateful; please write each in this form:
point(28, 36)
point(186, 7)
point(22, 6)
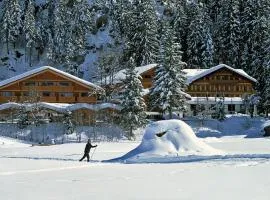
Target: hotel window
point(231, 108)
point(147, 76)
point(84, 94)
point(66, 94)
point(26, 94)
point(47, 83)
point(66, 84)
point(29, 83)
point(46, 94)
point(6, 94)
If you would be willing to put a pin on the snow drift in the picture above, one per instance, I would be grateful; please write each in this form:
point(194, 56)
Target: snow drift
point(168, 138)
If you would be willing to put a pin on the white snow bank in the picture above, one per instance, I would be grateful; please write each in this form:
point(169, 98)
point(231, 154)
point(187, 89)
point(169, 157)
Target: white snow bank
point(9, 142)
point(169, 138)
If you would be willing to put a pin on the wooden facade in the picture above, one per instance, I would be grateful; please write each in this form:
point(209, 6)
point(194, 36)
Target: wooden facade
point(221, 83)
point(48, 86)
point(147, 78)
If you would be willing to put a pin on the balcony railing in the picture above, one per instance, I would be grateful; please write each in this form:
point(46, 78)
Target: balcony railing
point(86, 100)
point(49, 88)
point(66, 99)
point(8, 99)
point(48, 99)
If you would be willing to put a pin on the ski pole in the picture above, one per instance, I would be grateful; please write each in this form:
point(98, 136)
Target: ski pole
point(93, 153)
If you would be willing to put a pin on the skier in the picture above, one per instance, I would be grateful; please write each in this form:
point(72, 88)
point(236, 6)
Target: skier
point(87, 149)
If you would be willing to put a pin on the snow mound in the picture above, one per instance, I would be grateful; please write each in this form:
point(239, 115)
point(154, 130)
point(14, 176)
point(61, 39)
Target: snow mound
point(169, 138)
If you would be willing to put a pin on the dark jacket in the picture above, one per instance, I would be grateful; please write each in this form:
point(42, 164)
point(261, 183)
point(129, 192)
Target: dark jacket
point(88, 146)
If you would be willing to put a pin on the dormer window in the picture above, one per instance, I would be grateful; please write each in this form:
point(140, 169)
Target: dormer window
point(6, 94)
point(84, 94)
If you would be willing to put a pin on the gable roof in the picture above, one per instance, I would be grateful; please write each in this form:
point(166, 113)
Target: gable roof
point(44, 68)
point(121, 75)
point(192, 75)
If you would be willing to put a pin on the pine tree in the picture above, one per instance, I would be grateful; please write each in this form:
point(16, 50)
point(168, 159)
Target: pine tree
point(227, 33)
point(11, 22)
point(67, 121)
point(199, 38)
point(219, 110)
point(133, 105)
point(169, 83)
point(142, 33)
point(30, 30)
point(255, 33)
point(61, 29)
point(108, 65)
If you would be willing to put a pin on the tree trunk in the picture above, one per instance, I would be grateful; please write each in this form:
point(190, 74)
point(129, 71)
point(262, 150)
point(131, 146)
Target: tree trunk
point(7, 42)
point(170, 112)
point(30, 57)
point(130, 133)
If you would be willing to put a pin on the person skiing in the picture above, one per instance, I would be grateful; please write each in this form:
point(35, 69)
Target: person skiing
point(87, 149)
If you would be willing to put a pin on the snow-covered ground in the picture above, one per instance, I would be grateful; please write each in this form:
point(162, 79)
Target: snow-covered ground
point(53, 172)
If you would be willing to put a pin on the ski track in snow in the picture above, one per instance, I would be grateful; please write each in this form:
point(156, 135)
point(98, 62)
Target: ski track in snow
point(44, 158)
point(255, 158)
point(189, 159)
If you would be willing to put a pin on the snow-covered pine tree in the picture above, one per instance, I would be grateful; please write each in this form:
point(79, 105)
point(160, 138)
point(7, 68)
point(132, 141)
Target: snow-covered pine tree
point(227, 33)
point(169, 84)
point(30, 29)
point(255, 37)
point(108, 65)
point(133, 106)
point(181, 22)
point(220, 110)
point(199, 38)
point(208, 49)
point(119, 15)
point(60, 29)
point(82, 22)
point(142, 34)
point(23, 118)
point(67, 121)
point(11, 22)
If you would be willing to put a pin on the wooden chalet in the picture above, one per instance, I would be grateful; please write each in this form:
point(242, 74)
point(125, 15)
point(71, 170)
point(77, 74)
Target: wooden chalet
point(47, 84)
point(205, 86)
point(219, 81)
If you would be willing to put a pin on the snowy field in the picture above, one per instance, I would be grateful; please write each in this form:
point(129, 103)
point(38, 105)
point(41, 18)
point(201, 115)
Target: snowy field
point(53, 172)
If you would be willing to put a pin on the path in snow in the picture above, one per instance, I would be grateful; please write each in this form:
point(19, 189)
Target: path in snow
point(164, 159)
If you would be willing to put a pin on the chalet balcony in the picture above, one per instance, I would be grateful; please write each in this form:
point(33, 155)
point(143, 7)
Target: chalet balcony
point(86, 100)
point(8, 99)
point(48, 99)
point(49, 88)
point(66, 100)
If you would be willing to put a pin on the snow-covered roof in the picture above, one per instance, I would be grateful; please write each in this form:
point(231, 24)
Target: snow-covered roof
point(192, 75)
point(62, 107)
point(213, 100)
point(40, 69)
point(119, 76)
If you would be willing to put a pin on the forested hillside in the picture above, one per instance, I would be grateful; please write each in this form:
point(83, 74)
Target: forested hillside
point(95, 38)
